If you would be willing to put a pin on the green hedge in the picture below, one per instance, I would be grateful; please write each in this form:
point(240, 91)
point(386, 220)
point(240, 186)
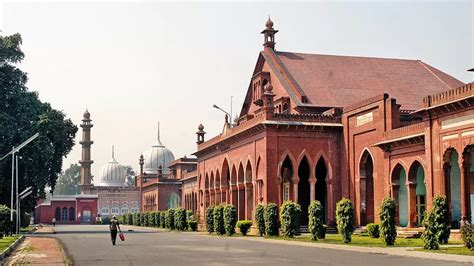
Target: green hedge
point(163, 219)
point(441, 219)
point(219, 220)
point(105, 220)
point(6, 227)
point(136, 219)
point(170, 219)
point(151, 219)
point(388, 229)
point(315, 220)
point(373, 230)
point(430, 235)
point(181, 219)
point(271, 219)
point(210, 219)
point(290, 218)
point(193, 224)
point(130, 218)
point(345, 219)
point(260, 219)
point(467, 235)
point(157, 219)
point(244, 226)
point(230, 219)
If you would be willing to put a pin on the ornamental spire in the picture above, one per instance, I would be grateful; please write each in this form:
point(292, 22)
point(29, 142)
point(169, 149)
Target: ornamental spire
point(113, 153)
point(158, 136)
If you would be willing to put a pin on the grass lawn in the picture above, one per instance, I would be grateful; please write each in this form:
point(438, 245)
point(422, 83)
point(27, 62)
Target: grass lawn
point(359, 240)
point(26, 229)
point(450, 250)
point(6, 241)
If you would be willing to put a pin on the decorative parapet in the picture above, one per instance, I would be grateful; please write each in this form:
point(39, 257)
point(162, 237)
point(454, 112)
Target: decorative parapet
point(404, 131)
point(320, 118)
point(449, 96)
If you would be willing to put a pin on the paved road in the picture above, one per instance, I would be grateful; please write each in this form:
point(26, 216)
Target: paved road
point(90, 245)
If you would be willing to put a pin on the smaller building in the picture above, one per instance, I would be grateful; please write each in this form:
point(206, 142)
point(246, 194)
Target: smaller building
point(185, 170)
point(67, 209)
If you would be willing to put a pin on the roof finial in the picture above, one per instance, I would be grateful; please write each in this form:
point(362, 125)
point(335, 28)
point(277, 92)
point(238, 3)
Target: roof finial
point(113, 153)
point(158, 135)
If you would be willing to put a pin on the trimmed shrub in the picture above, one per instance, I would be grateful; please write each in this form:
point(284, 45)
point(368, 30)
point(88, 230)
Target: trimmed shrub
point(230, 219)
point(388, 229)
point(219, 220)
point(151, 219)
point(129, 218)
point(193, 225)
point(244, 226)
point(143, 219)
point(157, 219)
point(271, 219)
point(6, 226)
point(373, 230)
point(136, 219)
point(120, 219)
point(322, 232)
point(170, 219)
point(260, 219)
point(163, 219)
point(345, 219)
point(430, 236)
point(467, 235)
point(210, 219)
point(290, 218)
point(315, 219)
point(180, 219)
point(441, 221)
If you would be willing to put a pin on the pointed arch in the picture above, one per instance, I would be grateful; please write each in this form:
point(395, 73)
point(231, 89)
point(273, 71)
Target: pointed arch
point(323, 155)
point(305, 155)
point(321, 172)
point(417, 193)
point(399, 181)
point(366, 187)
point(304, 189)
point(286, 156)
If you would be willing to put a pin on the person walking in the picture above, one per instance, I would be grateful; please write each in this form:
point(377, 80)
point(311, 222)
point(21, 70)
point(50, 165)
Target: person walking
point(54, 221)
point(114, 227)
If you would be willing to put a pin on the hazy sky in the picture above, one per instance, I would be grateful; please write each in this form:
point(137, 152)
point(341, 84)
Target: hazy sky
point(134, 63)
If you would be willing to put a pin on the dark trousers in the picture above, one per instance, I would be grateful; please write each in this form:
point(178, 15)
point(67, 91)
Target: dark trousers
point(113, 235)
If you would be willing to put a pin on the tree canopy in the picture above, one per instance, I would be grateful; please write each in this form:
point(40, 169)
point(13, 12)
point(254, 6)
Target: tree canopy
point(68, 181)
point(22, 114)
point(130, 181)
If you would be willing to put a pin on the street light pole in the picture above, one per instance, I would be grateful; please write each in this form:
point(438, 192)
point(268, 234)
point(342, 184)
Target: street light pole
point(13, 174)
point(230, 118)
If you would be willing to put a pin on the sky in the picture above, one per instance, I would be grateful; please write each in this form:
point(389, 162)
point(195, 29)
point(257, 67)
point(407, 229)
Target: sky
point(135, 63)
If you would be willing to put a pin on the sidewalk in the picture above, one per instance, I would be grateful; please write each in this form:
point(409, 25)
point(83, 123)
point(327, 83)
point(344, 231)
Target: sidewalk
point(39, 250)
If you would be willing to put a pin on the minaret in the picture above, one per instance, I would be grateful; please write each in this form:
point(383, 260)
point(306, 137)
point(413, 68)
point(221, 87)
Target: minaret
point(86, 177)
point(269, 35)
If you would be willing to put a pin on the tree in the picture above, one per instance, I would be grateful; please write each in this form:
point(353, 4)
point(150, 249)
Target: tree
point(388, 230)
point(68, 181)
point(130, 181)
point(22, 114)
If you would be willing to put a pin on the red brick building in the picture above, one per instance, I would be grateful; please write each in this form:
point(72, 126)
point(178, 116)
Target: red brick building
point(325, 127)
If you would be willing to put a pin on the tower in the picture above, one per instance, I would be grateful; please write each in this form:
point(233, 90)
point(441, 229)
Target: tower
point(269, 35)
point(86, 177)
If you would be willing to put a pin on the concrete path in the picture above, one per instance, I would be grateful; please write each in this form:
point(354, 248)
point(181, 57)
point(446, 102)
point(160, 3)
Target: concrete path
point(90, 245)
point(38, 251)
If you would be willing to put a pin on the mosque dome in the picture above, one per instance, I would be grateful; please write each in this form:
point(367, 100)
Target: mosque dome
point(112, 174)
point(157, 155)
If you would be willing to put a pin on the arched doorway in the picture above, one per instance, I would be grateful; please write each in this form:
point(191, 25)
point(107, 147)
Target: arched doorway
point(468, 190)
point(206, 193)
point(366, 182)
point(304, 189)
point(233, 187)
point(225, 177)
point(248, 192)
point(417, 192)
point(400, 194)
point(86, 214)
point(241, 194)
point(72, 214)
point(321, 187)
point(286, 173)
point(453, 186)
point(57, 214)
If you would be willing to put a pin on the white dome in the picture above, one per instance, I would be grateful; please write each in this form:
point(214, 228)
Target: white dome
point(157, 155)
point(112, 174)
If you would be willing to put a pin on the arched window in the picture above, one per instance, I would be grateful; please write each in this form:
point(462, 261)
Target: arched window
point(64, 213)
point(72, 214)
point(286, 108)
point(124, 208)
point(173, 201)
point(134, 209)
point(115, 210)
point(105, 210)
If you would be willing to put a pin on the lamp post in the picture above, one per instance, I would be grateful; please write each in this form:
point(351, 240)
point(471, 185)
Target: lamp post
point(230, 117)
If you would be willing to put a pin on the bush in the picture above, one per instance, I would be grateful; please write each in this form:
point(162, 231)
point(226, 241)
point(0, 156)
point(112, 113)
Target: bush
point(315, 219)
point(322, 232)
point(467, 235)
point(129, 218)
point(163, 219)
point(441, 221)
point(210, 219)
point(25, 220)
point(193, 225)
point(136, 219)
point(120, 219)
point(430, 236)
point(388, 229)
point(5, 224)
point(345, 219)
point(105, 220)
point(260, 219)
point(219, 220)
point(143, 219)
point(157, 219)
point(244, 226)
point(181, 219)
point(290, 218)
point(230, 219)
point(373, 230)
point(170, 219)
point(271, 219)
point(151, 219)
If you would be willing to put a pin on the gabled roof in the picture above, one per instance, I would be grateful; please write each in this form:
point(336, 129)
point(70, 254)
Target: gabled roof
point(339, 81)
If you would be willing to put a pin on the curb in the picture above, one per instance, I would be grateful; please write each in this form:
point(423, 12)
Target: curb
point(11, 248)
